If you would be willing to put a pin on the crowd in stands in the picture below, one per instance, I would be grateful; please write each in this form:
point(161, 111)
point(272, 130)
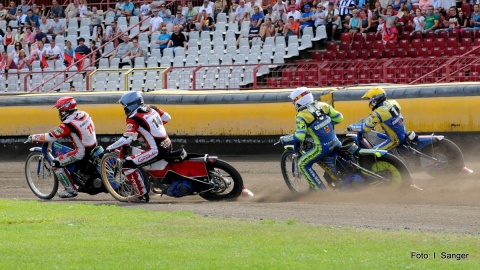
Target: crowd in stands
point(44, 34)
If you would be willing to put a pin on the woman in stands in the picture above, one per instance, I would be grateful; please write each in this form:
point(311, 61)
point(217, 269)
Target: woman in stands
point(29, 37)
point(68, 48)
point(398, 5)
point(417, 22)
point(19, 35)
point(354, 24)
point(279, 29)
point(463, 21)
point(82, 9)
point(23, 63)
point(8, 38)
point(267, 29)
point(100, 36)
point(16, 51)
point(365, 24)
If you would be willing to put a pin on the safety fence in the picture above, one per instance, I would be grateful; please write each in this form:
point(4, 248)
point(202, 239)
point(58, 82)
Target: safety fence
point(136, 79)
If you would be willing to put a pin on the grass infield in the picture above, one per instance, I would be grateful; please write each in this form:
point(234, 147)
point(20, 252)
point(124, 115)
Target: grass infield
point(45, 235)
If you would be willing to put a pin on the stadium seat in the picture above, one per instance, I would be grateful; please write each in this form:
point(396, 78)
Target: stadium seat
point(387, 54)
point(418, 35)
point(441, 34)
point(320, 33)
point(341, 56)
point(437, 52)
point(344, 46)
point(439, 42)
point(412, 53)
point(345, 37)
point(328, 55)
point(423, 52)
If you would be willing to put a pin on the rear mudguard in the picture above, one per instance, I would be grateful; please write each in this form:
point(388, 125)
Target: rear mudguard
point(425, 140)
point(35, 149)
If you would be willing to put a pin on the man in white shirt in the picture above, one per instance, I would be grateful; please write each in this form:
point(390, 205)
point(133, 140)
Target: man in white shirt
point(277, 6)
point(145, 10)
point(241, 14)
point(54, 52)
point(294, 13)
point(155, 22)
point(320, 15)
point(206, 6)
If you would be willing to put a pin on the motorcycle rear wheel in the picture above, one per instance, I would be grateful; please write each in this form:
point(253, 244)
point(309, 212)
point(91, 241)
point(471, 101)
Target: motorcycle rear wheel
point(449, 156)
point(296, 184)
point(390, 167)
point(40, 177)
point(115, 181)
point(221, 172)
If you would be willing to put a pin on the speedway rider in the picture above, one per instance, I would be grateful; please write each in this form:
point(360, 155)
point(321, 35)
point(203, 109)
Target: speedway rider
point(315, 119)
point(78, 127)
point(387, 114)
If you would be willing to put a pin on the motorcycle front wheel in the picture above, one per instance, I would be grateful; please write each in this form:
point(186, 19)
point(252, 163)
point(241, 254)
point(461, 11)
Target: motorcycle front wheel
point(449, 157)
point(115, 181)
point(294, 179)
point(40, 177)
point(227, 180)
point(394, 172)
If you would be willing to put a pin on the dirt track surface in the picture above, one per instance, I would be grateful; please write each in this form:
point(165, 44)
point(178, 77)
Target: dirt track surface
point(449, 205)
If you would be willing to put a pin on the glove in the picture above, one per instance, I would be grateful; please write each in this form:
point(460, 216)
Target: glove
point(29, 139)
point(349, 128)
point(110, 148)
point(355, 127)
point(287, 139)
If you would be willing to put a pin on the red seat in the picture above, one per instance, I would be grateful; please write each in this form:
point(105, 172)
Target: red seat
point(439, 42)
point(375, 54)
point(364, 75)
point(344, 46)
point(298, 81)
point(284, 82)
point(371, 37)
point(403, 74)
point(423, 52)
point(430, 34)
point(391, 74)
point(417, 35)
point(416, 44)
point(300, 72)
point(325, 74)
point(404, 44)
point(467, 9)
point(390, 45)
point(345, 37)
point(405, 35)
point(449, 51)
point(317, 56)
point(337, 77)
point(437, 52)
point(417, 72)
point(387, 54)
point(453, 33)
point(452, 42)
point(350, 76)
point(367, 45)
point(466, 42)
point(341, 55)
point(460, 76)
point(328, 55)
point(462, 50)
point(358, 37)
point(272, 82)
point(400, 52)
point(364, 54)
point(352, 55)
point(412, 53)
point(377, 74)
point(467, 34)
point(357, 45)
point(378, 45)
point(310, 81)
point(332, 46)
point(442, 34)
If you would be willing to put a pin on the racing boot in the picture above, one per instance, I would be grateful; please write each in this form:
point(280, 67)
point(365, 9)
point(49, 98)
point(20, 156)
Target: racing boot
point(329, 162)
point(136, 180)
point(64, 177)
point(246, 192)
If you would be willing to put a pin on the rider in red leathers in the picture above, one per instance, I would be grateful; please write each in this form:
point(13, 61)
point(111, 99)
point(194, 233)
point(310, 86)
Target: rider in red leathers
point(78, 127)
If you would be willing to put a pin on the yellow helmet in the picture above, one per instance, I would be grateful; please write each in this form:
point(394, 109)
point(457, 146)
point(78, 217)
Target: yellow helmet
point(376, 95)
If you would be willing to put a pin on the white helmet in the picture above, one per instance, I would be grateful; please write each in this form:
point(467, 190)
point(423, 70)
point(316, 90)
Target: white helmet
point(301, 97)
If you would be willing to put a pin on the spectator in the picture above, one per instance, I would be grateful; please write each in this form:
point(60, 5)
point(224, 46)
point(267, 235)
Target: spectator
point(463, 21)
point(254, 32)
point(389, 16)
point(354, 24)
point(392, 33)
point(398, 5)
point(56, 27)
point(71, 11)
point(206, 7)
point(95, 18)
point(145, 10)
point(134, 52)
point(177, 40)
point(320, 15)
point(3, 63)
point(114, 34)
point(16, 51)
point(40, 12)
point(271, 15)
point(32, 19)
point(220, 6)
point(380, 28)
point(19, 35)
point(279, 5)
point(257, 16)
point(324, 3)
point(155, 22)
point(12, 12)
point(365, 24)
point(23, 6)
point(332, 18)
point(165, 14)
point(40, 36)
point(267, 29)
point(41, 50)
point(118, 8)
point(282, 15)
point(82, 9)
point(68, 48)
point(127, 9)
point(345, 10)
point(100, 36)
point(122, 48)
point(3, 13)
point(82, 48)
point(294, 13)
point(279, 29)
point(54, 52)
point(452, 22)
point(29, 37)
point(206, 22)
point(21, 18)
point(431, 20)
point(179, 20)
point(475, 18)
point(241, 14)
point(96, 55)
point(56, 10)
point(424, 4)
point(23, 63)
point(163, 39)
point(44, 26)
point(8, 38)
point(191, 14)
point(306, 19)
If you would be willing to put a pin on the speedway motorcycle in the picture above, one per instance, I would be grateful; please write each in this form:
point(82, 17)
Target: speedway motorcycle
point(356, 168)
point(179, 174)
point(44, 183)
point(433, 154)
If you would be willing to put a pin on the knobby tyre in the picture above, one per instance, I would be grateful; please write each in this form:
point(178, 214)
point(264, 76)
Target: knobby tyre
point(115, 181)
point(40, 177)
point(395, 172)
point(228, 181)
point(296, 184)
point(450, 159)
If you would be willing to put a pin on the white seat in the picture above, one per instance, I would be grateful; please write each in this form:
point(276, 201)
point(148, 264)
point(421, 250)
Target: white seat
point(280, 48)
point(320, 33)
point(156, 54)
point(245, 50)
point(221, 27)
point(169, 27)
point(205, 35)
point(233, 26)
point(166, 61)
point(84, 22)
point(252, 58)
point(217, 35)
point(195, 35)
point(278, 58)
point(134, 20)
point(178, 61)
point(152, 61)
point(221, 17)
point(139, 62)
point(240, 59)
point(232, 50)
point(134, 31)
point(244, 26)
point(306, 42)
point(85, 33)
point(227, 59)
point(109, 20)
point(122, 21)
point(213, 60)
point(145, 24)
point(114, 63)
point(72, 23)
point(269, 41)
point(292, 49)
point(203, 60)
point(191, 60)
point(244, 42)
point(192, 51)
point(99, 86)
point(179, 52)
point(168, 52)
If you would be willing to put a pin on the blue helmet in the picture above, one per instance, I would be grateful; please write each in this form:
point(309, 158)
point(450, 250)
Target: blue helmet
point(131, 101)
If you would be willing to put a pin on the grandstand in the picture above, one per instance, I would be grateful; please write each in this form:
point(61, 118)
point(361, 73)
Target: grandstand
point(213, 60)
